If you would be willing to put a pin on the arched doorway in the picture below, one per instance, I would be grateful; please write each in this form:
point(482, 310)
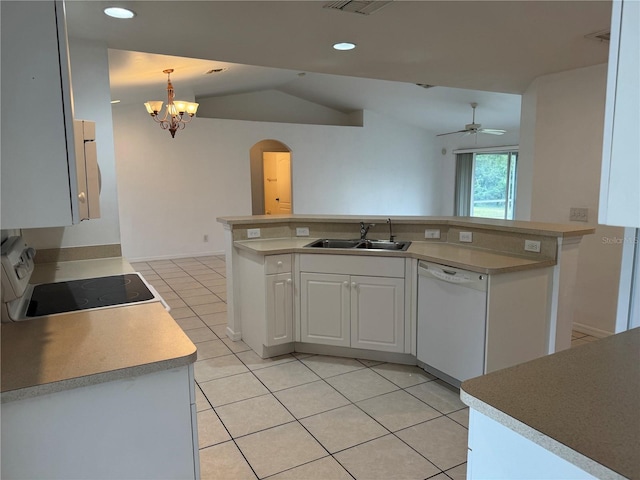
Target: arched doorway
point(273, 157)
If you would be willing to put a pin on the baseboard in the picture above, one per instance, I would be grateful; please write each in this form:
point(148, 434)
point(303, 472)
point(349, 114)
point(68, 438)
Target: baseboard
point(174, 256)
point(594, 332)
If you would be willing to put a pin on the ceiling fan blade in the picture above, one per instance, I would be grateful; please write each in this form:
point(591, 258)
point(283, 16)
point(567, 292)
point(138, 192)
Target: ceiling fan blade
point(451, 133)
point(492, 131)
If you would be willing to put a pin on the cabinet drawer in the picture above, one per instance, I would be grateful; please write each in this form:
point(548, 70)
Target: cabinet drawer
point(277, 264)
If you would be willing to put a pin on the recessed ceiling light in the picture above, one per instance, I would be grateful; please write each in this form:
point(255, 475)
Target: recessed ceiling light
point(118, 12)
point(344, 46)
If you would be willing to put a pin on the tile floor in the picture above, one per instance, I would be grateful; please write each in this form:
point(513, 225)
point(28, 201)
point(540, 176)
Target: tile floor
point(302, 416)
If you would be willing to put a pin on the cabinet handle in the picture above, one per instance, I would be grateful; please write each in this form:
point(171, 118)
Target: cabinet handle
point(354, 284)
point(346, 284)
point(279, 264)
point(289, 281)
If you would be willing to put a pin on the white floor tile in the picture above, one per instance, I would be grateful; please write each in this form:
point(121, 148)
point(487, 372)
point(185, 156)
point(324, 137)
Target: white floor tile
point(233, 389)
point(383, 459)
point(311, 399)
point(252, 415)
point(398, 410)
point(286, 375)
point(343, 427)
point(442, 441)
point(361, 384)
point(224, 462)
point(280, 448)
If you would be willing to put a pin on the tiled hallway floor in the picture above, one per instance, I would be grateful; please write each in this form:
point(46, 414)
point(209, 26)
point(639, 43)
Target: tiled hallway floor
point(302, 416)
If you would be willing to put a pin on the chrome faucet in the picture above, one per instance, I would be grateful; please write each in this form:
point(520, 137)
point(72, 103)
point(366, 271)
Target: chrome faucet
point(364, 230)
point(392, 237)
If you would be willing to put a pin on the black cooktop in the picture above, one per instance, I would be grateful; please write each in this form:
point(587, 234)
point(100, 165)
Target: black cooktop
point(61, 297)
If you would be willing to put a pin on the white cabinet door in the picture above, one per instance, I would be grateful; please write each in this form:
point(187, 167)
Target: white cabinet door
point(279, 309)
point(377, 313)
point(38, 156)
point(325, 309)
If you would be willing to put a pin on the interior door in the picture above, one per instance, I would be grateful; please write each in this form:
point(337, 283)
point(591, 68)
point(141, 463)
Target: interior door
point(277, 182)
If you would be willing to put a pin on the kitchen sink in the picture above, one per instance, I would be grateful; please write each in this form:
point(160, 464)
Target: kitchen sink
point(383, 245)
point(364, 244)
point(334, 243)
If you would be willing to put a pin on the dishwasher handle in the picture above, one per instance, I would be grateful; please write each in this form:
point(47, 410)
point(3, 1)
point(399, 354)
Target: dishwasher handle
point(452, 276)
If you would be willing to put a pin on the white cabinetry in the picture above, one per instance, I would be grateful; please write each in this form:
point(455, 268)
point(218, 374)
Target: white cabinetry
point(620, 179)
point(497, 452)
point(140, 427)
point(356, 302)
point(38, 158)
point(266, 301)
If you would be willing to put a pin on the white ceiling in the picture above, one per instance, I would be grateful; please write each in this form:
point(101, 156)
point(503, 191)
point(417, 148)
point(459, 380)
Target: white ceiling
point(474, 51)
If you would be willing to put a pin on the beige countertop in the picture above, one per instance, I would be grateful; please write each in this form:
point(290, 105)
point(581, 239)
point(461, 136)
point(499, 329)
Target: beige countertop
point(473, 259)
point(61, 352)
point(582, 404)
point(515, 226)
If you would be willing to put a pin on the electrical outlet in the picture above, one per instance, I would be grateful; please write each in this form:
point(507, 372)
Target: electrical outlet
point(466, 237)
point(302, 231)
point(432, 233)
point(205, 238)
point(253, 233)
point(579, 214)
point(532, 246)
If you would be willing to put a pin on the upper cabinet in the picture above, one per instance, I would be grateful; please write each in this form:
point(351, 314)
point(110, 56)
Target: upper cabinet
point(620, 180)
point(38, 153)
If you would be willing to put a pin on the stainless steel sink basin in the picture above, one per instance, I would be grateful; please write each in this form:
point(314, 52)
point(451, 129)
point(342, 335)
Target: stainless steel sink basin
point(334, 243)
point(365, 244)
point(383, 245)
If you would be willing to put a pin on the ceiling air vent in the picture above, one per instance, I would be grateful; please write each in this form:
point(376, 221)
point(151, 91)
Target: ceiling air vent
point(602, 35)
point(363, 7)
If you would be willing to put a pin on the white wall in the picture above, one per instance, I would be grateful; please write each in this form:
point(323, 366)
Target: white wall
point(171, 190)
point(272, 106)
point(91, 96)
point(564, 115)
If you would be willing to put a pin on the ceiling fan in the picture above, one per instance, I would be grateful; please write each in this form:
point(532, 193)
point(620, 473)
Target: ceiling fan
point(474, 128)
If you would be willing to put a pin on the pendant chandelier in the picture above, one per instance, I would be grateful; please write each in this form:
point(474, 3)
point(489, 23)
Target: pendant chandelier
point(178, 113)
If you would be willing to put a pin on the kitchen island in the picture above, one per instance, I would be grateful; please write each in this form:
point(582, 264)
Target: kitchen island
point(573, 414)
point(278, 285)
point(102, 393)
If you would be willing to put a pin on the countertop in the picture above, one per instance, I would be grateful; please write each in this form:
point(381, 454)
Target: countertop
point(470, 258)
point(515, 226)
point(61, 352)
point(582, 404)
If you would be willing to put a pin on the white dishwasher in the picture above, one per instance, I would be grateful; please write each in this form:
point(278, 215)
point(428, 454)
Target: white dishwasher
point(452, 306)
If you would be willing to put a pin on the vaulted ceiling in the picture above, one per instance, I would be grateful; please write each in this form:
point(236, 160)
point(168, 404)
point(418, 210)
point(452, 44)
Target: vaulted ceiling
point(471, 50)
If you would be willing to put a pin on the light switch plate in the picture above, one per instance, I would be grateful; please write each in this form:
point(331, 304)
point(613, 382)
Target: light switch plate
point(432, 233)
point(302, 231)
point(253, 233)
point(578, 214)
point(532, 246)
point(466, 237)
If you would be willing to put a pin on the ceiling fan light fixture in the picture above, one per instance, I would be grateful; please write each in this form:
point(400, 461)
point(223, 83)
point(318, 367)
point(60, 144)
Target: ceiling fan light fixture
point(119, 12)
point(344, 46)
point(474, 128)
